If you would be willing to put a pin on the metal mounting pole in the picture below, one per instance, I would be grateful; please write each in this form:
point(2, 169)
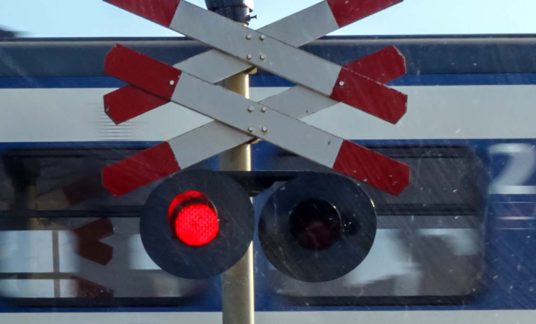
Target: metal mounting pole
point(238, 302)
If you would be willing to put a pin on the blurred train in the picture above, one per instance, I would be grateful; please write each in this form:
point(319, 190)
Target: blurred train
point(456, 246)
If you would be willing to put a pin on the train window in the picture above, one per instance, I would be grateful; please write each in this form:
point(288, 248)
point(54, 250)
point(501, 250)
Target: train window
point(429, 243)
point(64, 242)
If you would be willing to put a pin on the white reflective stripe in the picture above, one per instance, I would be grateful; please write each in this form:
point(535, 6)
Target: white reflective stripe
point(272, 126)
point(204, 142)
point(269, 54)
point(444, 112)
point(297, 29)
point(301, 317)
point(77, 115)
point(299, 102)
point(212, 67)
point(434, 112)
point(215, 137)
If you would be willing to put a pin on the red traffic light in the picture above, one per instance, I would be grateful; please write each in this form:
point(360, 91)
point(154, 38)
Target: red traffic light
point(197, 224)
point(193, 218)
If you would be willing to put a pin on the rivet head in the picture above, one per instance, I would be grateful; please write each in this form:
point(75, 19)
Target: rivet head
point(264, 109)
point(341, 83)
point(251, 108)
point(171, 82)
point(262, 57)
point(248, 36)
point(249, 56)
point(250, 129)
point(264, 130)
point(262, 37)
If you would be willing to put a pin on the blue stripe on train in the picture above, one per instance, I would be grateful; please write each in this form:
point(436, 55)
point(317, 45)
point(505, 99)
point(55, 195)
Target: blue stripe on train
point(266, 80)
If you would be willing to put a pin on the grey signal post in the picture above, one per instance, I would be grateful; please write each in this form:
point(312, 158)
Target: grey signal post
point(238, 302)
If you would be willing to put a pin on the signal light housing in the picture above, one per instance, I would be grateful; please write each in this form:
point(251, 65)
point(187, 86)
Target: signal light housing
point(189, 246)
point(317, 227)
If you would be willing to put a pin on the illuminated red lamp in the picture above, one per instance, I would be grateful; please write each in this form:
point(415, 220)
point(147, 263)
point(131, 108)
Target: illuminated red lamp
point(197, 224)
point(193, 218)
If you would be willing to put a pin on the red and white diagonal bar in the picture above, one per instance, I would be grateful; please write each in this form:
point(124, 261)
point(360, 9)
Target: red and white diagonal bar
point(273, 55)
point(193, 146)
point(310, 28)
point(140, 169)
point(246, 115)
point(297, 102)
point(313, 22)
point(170, 157)
point(346, 12)
point(383, 66)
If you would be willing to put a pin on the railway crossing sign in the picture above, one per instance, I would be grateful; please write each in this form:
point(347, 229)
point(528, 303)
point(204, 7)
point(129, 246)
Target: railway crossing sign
point(237, 120)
